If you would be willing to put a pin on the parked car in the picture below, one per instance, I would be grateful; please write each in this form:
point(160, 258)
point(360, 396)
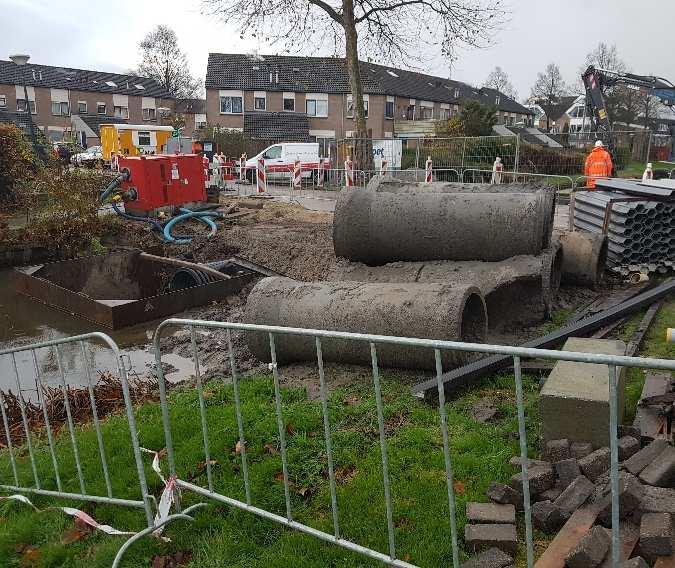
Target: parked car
point(91, 157)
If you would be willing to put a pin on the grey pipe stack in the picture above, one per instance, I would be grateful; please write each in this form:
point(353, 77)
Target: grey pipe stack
point(380, 227)
point(444, 312)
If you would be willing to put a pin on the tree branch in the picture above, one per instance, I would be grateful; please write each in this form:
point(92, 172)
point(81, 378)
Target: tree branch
point(328, 9)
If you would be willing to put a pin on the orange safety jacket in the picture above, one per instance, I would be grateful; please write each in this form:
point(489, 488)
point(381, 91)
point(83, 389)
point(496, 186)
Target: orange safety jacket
point(598, 165)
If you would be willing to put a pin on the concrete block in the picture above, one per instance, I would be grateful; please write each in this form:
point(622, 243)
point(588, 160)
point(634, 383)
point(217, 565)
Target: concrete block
point(590, 551)
point(516, 461)
point(658, 500)
point(580, 450)
point(547, 517)
point(541, 478)
point(558, 450)
point(574, 495)
point(656, 535)
point(550, 494)
point(637, 462)
point(595, 464)
point(567, 471)
point(631, 493)
point(490, 513)
point(481, 537)
point(661, 472)
point(628, 446)
point(632, 431)
point(637, 562)
point(491, 558)
point(574, 402)
point(505, 494)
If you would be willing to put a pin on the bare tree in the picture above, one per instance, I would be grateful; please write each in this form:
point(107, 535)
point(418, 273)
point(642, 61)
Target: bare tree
point(392, 30)
point(605, 57)
point(163, 60)
point(549, 87)
point(498, 79)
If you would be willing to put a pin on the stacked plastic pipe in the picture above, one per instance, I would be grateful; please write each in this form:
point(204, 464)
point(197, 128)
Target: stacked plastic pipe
point(638, 232)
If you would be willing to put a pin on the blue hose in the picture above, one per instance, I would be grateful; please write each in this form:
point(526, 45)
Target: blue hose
point(203, 216)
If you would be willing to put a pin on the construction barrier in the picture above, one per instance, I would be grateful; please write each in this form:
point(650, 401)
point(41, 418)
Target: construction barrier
point(297, 175)
point(349, 172)
point(428, 178)
point(497, 169)
point(261, 176)
point(320, 173)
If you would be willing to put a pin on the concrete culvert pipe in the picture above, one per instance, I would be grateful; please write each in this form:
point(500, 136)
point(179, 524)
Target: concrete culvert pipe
point(434, 311)
point(518, 290)
point(584, 256)
point(389, 184)
point(379, 227)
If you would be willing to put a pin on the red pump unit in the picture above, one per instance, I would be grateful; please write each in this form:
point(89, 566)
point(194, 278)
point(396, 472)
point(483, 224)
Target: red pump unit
point(155, 182)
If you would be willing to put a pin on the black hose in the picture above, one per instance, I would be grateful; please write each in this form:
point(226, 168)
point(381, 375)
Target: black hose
point(157, 226)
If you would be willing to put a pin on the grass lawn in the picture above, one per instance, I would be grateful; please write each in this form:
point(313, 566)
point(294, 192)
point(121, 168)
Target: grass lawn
point(636, 169)
point(222, 536)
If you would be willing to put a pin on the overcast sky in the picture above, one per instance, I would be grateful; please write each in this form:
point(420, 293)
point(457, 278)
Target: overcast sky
point(103, 35)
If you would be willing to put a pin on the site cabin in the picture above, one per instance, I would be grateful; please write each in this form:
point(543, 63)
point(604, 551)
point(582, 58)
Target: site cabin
point(134, 139)
point(279, 160)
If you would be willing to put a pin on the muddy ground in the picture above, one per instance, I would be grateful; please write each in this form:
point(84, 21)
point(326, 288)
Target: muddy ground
point(297, 243)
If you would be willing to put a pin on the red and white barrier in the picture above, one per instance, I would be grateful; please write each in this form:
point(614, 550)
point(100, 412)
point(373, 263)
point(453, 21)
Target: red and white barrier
point(349, 172)
point(429, 176)
point(497, 169)
point(648, 173)
point(261, 176)
point(384, 167)
point(297, 175)
point(319, 173)
point(242, 168)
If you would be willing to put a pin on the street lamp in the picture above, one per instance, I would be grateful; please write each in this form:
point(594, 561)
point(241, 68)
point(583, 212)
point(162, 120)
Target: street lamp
point(20, 60)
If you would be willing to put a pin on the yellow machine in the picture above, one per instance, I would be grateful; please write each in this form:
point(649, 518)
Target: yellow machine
point(133, 139)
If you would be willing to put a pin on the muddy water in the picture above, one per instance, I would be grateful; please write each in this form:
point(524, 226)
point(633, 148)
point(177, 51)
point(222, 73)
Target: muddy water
point(24, 321)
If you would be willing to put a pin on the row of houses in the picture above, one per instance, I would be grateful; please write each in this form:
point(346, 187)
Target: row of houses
point(265, 97)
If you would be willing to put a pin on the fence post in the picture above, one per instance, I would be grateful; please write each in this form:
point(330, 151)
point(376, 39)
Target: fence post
point(261, 176)
point(297, 174)
point(517, 158)
point(319, 175)
point(428, 178)
point(463, 154)
point(417, 155)
point(349, 172)
point(384, 165)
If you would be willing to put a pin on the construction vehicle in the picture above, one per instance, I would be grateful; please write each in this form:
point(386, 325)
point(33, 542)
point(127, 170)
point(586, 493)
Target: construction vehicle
point(133, 139)
point(596, 80)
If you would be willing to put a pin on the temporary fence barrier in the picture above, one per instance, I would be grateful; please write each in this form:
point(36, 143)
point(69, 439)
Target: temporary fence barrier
point(428, 176)
point(487, 176)
point(435, 348)
point(261, 176)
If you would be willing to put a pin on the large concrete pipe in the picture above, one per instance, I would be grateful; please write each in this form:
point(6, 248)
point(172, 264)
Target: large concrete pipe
point(435, 311)
point(518, 290)
point(584, 256)
point(380, 227)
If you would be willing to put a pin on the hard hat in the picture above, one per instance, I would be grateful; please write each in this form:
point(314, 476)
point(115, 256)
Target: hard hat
point(599, 144)
point(649, 165)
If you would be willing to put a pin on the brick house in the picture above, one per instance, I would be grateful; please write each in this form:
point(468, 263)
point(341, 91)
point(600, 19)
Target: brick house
point(75, 102)
point(315, 91)
point(192, 113)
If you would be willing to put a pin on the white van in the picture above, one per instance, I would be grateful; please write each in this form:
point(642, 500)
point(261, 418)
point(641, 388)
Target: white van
point(279, 160)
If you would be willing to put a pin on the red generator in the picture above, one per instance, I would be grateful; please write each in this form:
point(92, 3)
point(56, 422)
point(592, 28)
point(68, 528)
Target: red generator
point(164, 181)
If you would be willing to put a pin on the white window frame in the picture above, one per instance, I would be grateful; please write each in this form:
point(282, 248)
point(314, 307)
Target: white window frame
point(149, 113)
point(231, 95)
point(3, 101)
point(85, 107)
point(144, 133)
point(123, 112)
point(317, 100)
point(33, 106)
point(425, 107)
point(60, 108)
point(259, 96)
point(350, 106)
point(100, 104)
point(390, 101)
point(288, 97)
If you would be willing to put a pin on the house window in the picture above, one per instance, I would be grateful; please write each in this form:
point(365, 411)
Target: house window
point(149, 114)
point(100, 108)
point(317, 107)
point(410, 112)
point(231, 105)
point(82, 107)
point(289, 103)
point(3, 101)
point(426, 112)
point(259, 100)
point(389, 109)
point(21, 106)
point(121, 112)
point(60, 109)
point(445, 114)
point(200, 124)
point(144, 139)
point(350, 107)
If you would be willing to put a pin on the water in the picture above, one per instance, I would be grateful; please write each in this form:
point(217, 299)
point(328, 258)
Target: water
point(24, 321)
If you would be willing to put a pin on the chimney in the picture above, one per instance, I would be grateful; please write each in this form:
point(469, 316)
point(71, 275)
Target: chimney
point(40, 75)
point(271, 77)
point(276, 77)
point(33, 74)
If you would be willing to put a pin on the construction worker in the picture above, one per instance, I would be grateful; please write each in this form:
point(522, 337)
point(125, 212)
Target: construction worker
point(648, 173)
point(598, 164)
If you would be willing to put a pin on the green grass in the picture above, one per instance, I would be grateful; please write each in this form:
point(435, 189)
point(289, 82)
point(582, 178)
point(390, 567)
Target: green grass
point(222, 536)
point(636, 169)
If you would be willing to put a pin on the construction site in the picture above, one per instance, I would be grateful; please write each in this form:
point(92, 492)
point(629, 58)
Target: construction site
point(265, 344)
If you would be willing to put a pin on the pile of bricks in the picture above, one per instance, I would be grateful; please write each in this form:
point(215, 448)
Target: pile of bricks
point(575, 477)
